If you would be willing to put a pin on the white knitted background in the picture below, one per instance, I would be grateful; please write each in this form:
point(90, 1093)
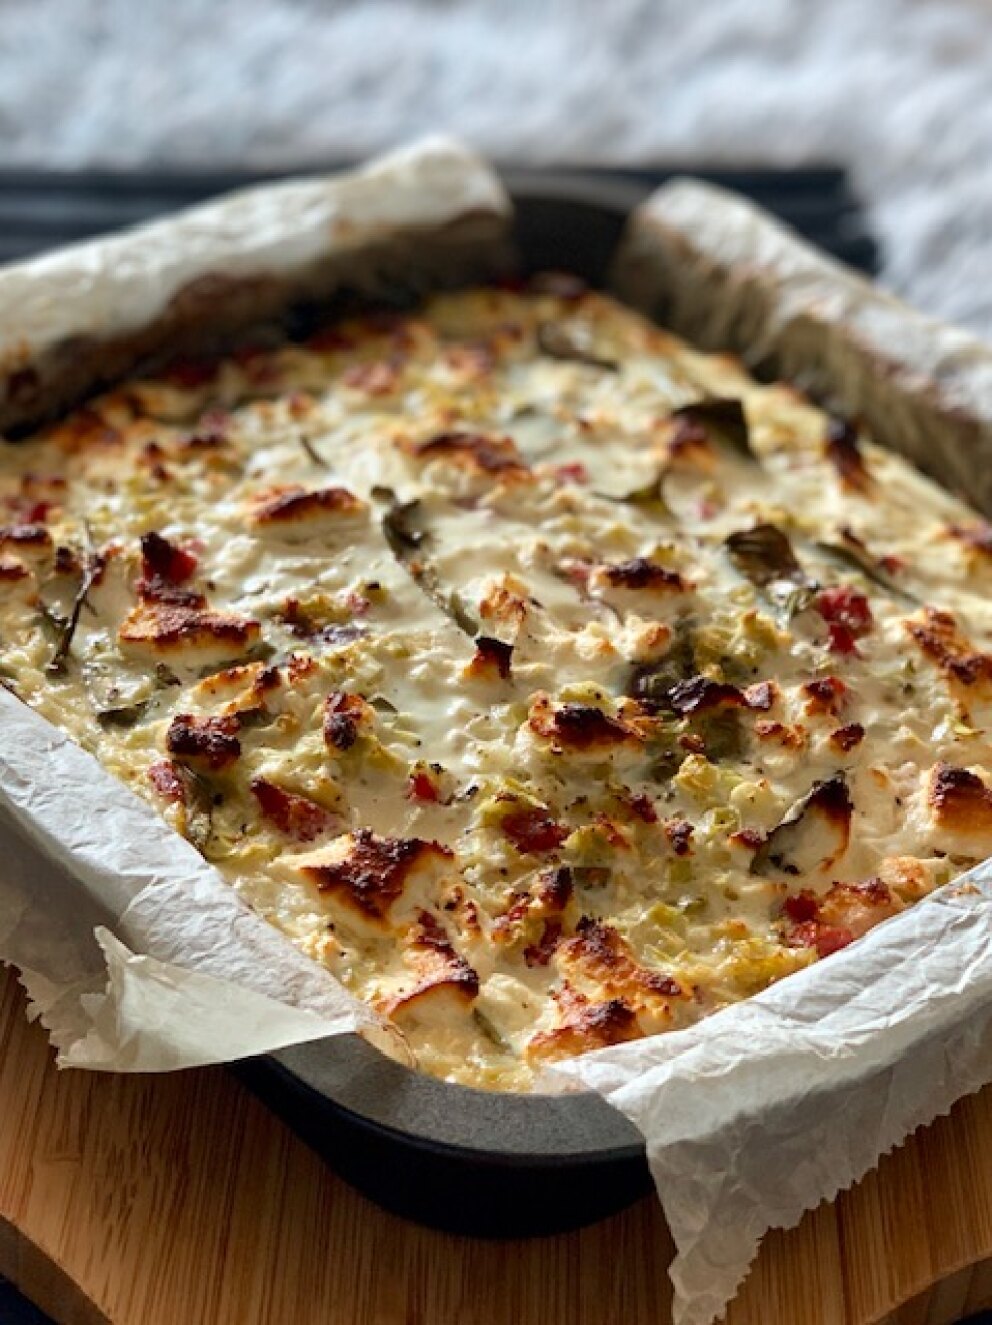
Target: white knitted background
point(900, 90)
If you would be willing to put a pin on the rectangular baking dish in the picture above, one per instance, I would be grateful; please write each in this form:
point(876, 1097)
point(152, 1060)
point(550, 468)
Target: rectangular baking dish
point(513, 1165)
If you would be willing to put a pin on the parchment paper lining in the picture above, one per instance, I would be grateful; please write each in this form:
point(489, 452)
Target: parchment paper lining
point(96, 888)
point(104, 287)
point(143, 959)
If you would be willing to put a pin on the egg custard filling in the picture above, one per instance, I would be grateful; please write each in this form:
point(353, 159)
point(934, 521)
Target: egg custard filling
point(551, 683)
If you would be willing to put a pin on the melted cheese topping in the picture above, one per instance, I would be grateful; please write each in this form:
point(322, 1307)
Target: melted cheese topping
point(551, 683)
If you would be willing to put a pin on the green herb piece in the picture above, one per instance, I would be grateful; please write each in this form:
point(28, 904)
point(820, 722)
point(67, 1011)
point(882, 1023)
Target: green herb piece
point(399, 528)
point(651, 495)
point(722, 417)
point(92, 564)
point(404, 538)
point(853, 554)
point(489, 1030)
point(654, 681)
point(312, 453)
point(764, 556)
point(559, 342)
point(666, 761)
point(256, 717)
point(125, 716)
point(693, 905)
point(200, 799)
point(460, 614)
point(722, 734)
point(591, 876)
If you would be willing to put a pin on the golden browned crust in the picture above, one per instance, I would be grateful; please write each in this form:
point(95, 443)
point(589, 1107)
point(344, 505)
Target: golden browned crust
point(439, 971)
point(245, 685)
point(583, 1024)
point(825, 695)
point(375, 870)
point(640, 573)
point(546, 901)
point(960, 800)
point(813, 835)
point(281, 507)
point(858, 906)
point(942, 641)
point(491, 660)
point(847, 738)
point(504, 603)
point(600, 954)
point(210, 743)
point(531, 828)
point(579, 727)
point(836, 918)
point(168, 628)
point(481, 454)
point(344, 717)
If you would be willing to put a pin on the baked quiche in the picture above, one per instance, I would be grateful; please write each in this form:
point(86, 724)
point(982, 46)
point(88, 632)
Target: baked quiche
point(551, 683)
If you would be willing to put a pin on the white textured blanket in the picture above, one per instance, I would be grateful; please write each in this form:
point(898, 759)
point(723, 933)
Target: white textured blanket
point(901, 90)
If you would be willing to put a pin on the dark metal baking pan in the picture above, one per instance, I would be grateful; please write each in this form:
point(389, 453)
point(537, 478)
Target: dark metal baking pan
point(468, 1161)
point(40, 209)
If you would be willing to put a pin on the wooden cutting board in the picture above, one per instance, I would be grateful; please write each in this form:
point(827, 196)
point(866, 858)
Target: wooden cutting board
point(180, 1200)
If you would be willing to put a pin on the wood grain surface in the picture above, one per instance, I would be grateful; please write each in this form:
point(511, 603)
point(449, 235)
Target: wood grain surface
point(180, 1200)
